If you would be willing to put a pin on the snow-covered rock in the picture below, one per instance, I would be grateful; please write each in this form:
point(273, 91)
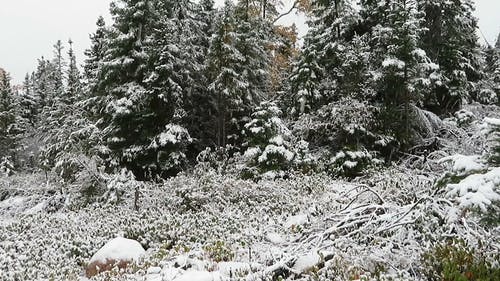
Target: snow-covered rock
point(117, 252)
point(306, 262)
point(119, 249)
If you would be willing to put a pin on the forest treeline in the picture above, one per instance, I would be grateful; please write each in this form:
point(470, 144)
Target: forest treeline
point(168, 84)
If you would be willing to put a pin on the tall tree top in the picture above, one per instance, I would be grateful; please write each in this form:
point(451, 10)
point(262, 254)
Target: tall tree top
point(497, 45)
point(3, 77)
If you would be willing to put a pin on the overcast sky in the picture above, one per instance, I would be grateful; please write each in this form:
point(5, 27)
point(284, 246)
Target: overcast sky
point(29, 28)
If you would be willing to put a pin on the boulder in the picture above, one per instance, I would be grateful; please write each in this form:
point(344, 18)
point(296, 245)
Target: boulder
point(119, 252)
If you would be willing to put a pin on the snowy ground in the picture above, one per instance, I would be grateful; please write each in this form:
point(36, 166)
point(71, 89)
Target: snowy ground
point(208, 226)
point(194, 226)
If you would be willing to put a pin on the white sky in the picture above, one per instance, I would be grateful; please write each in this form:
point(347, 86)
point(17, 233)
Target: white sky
point(29, 28)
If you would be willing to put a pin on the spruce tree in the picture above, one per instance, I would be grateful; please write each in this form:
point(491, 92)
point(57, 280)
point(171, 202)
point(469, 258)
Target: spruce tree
point(95, 54)
point(9, 131)
point(450, 40)
point(73, 88)
point(497, 44)
point(94, 98)
point(43, 84)
point(253, 35)
point(57, 116)
point(57, 74)
point(28, 102)
point(402, 72)
point(238, 67)
point(123, 71)
point(199, 106)
point(226, 83)
point(176, 56)
point(317, 72)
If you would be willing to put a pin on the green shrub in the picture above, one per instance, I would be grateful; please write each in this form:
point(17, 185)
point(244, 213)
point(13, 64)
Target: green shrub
point(455, 261)
point(219, 251)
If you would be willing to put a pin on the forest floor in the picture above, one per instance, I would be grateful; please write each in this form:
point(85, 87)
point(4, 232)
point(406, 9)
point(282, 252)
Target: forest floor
point(205, 225)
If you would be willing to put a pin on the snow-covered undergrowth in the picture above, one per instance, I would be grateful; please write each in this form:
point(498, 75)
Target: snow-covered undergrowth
point(205, 225)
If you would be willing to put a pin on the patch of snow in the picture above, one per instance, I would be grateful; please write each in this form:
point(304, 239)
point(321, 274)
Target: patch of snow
point(350, 164)
point(275, 150)
point(13, 202)
point(37, 209)
point(301, 219)
point(154, 270)
point(492, 121)
point(277, 140)
point(306, 262)
point(252, 152)
point(393, 62)
point(463, 164)
point(185, 261)
point(275, 238)
point(173, 134)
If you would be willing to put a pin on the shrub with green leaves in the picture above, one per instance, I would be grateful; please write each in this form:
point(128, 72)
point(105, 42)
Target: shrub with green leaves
point(456, 261)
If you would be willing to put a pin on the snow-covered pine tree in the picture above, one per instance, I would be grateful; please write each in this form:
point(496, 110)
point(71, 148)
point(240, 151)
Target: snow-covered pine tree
point(284, 51)
point(487, 90)
point(493, 70)
point(267, 142)
point(406, 72)
point(9, 132)
point(199, 106)
point(94, 100)
point(61, 119)
point(27, 101)
point(57, 74)
point(253, 35)
point(43, 84)
point(497, 44)
point(316, 75)
point(206, 16)
point(122, 80)
point(176, 55)
point(451, 41)
point(73, 78)
point(494, 138)
point(95, 54)
point(238, 71)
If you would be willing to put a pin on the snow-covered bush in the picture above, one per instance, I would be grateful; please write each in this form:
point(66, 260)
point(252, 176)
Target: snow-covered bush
point(219, 159)
point(6, 166)
point(170, 147)
point(472, 181)
point(487, 91)
point(119, 185)
point(352, 163)
point(267, 141)
point(304, 160)
point(464, 117)
point(492, 129)
point(336, 124)
point(347, 135)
